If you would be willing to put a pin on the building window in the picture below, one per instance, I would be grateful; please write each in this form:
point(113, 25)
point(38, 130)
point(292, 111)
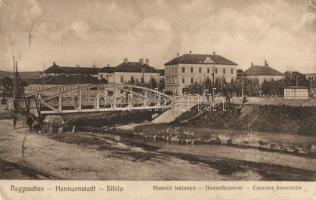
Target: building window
point(208, 70)
point(215, 70)
point(183, 69)
point(183, 80)
point(232, 80)
point(191, 69)
point(191, 80)
point(200, 70)
point(224, 71)
point(232, 71)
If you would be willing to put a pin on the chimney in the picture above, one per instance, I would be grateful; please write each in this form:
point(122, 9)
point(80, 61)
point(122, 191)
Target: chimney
point(54, 63)
point(251, 64)
point(108, 65)
point(214, 53)
point(178, 54)
point(265, 63)
point(147, 61)
point(125, 60)
point(141, 61)
point(190, 52)
point(77, 65)
point(93, 66)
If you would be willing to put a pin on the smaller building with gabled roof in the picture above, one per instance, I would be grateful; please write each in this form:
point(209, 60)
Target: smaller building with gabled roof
point(131, 72)
point(263, 73)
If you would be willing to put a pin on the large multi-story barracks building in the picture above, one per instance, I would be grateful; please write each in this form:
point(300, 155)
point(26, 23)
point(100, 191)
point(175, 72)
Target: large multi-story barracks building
point(183, 71)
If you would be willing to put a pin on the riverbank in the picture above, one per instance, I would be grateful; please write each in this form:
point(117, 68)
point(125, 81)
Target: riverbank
point(101, 156)
point(263, 118)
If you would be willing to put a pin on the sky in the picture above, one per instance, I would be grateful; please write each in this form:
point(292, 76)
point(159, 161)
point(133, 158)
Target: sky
point(102, 32)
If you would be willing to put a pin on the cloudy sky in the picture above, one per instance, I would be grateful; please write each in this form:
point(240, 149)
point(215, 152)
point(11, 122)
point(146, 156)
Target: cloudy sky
point(101, 32)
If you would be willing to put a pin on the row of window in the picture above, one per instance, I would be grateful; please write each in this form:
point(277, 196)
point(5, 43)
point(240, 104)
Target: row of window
point(192, 80)
point(312, 78)
point(208, 70)
point(133, 79)
point(171, 79)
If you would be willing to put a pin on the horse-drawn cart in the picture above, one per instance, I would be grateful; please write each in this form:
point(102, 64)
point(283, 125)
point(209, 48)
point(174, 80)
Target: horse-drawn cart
point(53, 123)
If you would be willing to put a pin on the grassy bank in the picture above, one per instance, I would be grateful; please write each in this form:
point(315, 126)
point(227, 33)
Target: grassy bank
point(267, 118)
point(269, 128)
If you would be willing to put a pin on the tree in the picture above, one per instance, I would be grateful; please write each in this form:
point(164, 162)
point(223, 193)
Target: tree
point(295, 78)
point(7, 84)
point(251, 87)
point(195, 88)
point(161, 85)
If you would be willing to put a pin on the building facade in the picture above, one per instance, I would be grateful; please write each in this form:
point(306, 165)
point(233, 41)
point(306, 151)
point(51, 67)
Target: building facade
point(263, 73)
point(188, 69)
point(130, 73)
point(64, 76)
point(311, 76)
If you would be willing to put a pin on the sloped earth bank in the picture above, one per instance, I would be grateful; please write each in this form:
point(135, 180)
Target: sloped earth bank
point(283, 129)
point(265, 118)
point(122, 156)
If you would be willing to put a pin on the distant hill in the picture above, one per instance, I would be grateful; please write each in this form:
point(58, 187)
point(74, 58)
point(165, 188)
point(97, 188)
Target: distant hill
point(24, 75)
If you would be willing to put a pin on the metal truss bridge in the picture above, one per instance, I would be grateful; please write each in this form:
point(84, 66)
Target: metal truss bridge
point(95, 98)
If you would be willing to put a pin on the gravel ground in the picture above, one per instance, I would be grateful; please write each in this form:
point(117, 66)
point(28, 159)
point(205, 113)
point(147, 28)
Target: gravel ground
point(84, 156)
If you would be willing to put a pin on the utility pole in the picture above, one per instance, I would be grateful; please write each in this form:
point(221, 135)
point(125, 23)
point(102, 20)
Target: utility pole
point(213, 90)
point(222, 84)
point(14, 80)
point(204, 82)
point(242, 85)
point(157, 79)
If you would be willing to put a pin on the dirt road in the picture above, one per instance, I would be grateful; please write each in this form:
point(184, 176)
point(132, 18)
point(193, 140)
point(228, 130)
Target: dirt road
point(84, 156)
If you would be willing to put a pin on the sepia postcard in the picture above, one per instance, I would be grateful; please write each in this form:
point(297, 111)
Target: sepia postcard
point(153, 99)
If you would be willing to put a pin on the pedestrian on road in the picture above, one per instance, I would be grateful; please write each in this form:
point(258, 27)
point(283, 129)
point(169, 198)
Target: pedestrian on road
point(15, 120)
point(29, 121)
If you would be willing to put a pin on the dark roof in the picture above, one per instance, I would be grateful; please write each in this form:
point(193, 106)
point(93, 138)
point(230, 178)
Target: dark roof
point(106, 69)
point(67, 80)
point(200, 59)
point(134, 67)
point(257, 70)
point(71, 70)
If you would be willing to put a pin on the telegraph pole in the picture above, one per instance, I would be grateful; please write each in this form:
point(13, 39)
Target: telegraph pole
point(242, 85)
point(14, 80)
point(213, 90)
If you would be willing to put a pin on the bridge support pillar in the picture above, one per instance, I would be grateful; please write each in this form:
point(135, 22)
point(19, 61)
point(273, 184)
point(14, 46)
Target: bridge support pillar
point(60, 103)
point(98, 103)
point(80, 99)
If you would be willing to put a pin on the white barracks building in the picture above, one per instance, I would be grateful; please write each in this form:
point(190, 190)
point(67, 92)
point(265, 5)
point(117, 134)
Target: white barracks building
point(188, 69)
